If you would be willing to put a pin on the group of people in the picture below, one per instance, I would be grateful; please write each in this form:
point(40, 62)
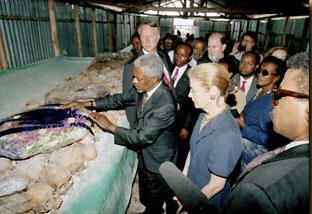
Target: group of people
point(179, 110)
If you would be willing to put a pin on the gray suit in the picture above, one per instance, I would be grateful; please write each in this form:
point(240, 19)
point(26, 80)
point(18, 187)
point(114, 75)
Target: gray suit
point(153, 134)
point(153, 130)
point(253, 87)
point(128, 76)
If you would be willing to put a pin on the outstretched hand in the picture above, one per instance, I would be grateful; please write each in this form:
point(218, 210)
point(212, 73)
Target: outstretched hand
point(103, 121)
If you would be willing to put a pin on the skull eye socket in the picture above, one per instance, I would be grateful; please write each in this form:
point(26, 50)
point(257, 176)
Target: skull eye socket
point(62, 188)
point(49, 205)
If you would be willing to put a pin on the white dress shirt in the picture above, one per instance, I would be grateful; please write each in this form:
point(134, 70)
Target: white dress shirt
point(180, 73)
point(247, 84)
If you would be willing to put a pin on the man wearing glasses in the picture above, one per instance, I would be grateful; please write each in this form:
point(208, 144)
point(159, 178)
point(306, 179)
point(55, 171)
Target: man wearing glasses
point(278, 181)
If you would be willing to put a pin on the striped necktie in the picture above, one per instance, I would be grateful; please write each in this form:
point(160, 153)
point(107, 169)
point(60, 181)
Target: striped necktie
point(175, 76)
point(144, 100)
point(167, 81)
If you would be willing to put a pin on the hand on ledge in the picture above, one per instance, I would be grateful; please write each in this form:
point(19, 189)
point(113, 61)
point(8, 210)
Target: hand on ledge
point(103, 121)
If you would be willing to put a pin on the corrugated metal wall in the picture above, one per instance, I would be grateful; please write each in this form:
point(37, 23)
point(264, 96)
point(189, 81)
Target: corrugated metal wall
point(276, 30)
point(26, 30)
point(27, 38)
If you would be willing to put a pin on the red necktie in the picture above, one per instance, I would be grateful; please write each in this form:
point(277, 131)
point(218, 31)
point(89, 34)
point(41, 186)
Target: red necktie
point(167, 81)
point(175, 75)
point(243, 86)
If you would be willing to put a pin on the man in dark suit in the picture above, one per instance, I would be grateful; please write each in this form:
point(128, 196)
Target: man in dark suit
point(153, 132)
point(187, 113)
point(149, 36)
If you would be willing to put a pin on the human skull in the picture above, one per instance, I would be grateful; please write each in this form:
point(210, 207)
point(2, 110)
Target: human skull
point(5, 164)
point(70, 158)
point(31, 168)
point(57, 177)
point(11, 182)
point(44, 197)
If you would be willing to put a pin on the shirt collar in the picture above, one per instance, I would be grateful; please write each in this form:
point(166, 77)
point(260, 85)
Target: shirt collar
point(151, 92)
point(296, 143)
point(181, 69)
point(145, 52)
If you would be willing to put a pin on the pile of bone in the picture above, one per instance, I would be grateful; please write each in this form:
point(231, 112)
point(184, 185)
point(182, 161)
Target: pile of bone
point(37, 184)
point(103, 77)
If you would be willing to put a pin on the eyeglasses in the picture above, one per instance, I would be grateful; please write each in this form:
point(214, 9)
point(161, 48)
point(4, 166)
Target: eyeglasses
point(277, 94)
point(264, 72)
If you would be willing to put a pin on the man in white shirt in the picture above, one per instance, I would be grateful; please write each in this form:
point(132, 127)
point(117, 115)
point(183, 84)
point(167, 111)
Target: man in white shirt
point(187, 113)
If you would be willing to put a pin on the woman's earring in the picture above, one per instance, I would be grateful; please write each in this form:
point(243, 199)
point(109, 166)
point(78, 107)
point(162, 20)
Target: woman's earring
point(213, 97)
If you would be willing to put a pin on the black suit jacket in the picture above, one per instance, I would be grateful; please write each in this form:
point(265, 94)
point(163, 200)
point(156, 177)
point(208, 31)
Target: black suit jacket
point(154, 127)
point(280, 185)
point(127, 78)
point(187, 114)
point(204, 59)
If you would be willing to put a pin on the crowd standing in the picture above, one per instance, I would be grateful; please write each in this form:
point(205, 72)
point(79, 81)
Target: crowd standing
point(212, 107)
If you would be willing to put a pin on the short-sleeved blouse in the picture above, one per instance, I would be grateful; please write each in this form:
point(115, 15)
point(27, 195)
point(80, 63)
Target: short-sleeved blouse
point(216, 149)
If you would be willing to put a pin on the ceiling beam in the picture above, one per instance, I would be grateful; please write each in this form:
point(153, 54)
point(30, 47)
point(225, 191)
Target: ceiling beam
point(285, 11)
point(238, 17)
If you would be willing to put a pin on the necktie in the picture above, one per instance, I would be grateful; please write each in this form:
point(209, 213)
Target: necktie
point(175, 76)
point(144, 101)
point(260, 159)
point(243, 86)
point(167, 81)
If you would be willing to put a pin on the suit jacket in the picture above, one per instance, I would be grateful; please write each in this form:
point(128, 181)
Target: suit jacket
point(153, 131)
point(280, 185)
point(187, 114)
point(127, 78)
point(204, 59)
point(253, 87)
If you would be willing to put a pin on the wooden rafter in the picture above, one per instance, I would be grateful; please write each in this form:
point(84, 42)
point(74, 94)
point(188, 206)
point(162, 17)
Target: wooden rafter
point(135, 7)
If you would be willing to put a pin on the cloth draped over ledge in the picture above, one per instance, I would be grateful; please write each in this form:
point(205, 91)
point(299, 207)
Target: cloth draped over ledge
point(105, 185)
